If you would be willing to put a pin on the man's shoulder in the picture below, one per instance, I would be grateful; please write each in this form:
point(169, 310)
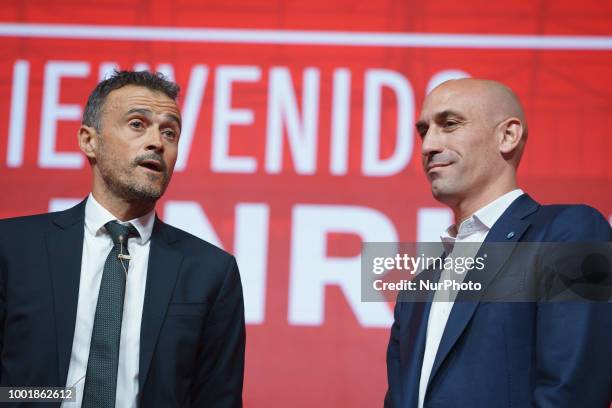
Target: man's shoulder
point(25, 229)
point(572, 222)
point(572, 211)
point(44, 221)
point(27, 221)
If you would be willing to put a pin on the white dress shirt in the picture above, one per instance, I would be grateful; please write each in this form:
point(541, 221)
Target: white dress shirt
point(473, 229)
point(96, 247)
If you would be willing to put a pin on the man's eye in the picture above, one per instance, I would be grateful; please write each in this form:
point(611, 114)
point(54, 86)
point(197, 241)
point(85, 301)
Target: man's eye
point(422, 131)
point(170, 134)
point(450, 123)
point(136, 124)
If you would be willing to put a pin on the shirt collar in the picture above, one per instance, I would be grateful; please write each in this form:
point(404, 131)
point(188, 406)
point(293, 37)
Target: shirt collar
point(490, 213)
point(483, 219)
point(96, 216)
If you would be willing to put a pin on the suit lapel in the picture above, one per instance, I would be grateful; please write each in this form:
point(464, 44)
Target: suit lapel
point(413, 337)
point(65, 253)
point(163, 269)
point(509, 228)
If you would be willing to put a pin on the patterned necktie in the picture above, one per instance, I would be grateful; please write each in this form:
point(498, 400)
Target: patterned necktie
point(101, 376)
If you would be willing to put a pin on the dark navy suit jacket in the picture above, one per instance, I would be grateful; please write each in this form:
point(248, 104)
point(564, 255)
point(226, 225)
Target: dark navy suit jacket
point(192, 337)
point(511, 354)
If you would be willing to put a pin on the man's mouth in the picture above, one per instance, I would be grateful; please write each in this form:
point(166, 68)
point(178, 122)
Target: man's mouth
point(152, 165)
point(432, 166)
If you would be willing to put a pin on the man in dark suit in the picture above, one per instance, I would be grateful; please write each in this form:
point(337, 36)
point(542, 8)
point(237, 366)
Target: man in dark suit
point(105, 297)
point(483, 351)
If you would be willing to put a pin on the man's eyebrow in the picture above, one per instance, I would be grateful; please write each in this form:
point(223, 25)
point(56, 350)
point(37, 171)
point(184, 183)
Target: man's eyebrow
point(148, 113)
point(447, 113)
point(422, 125)
point(173, 118)
point(142, 111)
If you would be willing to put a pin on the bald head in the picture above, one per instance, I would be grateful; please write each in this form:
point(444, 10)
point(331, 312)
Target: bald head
point(473, 133)
point(490, 102)
point(494, 100)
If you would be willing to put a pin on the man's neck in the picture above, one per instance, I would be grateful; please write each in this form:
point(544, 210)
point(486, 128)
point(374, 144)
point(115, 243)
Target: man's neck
point(122, 209)
point(465, 208)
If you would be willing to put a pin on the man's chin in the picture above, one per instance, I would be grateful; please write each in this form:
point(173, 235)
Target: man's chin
point(146, 193)
point(437, 187)
point(135, 190)
point(442, 192)
point(148, 187)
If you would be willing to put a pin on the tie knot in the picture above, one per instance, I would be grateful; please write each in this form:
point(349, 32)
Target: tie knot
point(120, 233)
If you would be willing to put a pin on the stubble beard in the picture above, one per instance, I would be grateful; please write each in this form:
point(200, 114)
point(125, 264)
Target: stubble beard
point(121, 181)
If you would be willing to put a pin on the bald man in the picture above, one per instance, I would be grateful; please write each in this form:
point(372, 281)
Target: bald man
point(479, 349)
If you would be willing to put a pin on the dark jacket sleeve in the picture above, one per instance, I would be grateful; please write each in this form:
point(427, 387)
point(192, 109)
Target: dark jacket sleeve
point(393, 396)
point(220, 366)
point(573, 359)
point(2, 305)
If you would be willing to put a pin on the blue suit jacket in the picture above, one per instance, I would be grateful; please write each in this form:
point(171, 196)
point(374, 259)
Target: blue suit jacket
point(511, 354)
point(192, 336)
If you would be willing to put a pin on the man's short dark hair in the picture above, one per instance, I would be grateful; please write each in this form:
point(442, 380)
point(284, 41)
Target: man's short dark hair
point(92, 114)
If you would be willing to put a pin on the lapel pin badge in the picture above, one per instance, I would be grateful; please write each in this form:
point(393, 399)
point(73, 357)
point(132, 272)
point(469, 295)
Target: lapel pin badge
point(510, 235)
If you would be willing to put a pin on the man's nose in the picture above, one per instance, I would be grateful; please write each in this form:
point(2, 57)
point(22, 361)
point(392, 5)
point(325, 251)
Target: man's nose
point(154, 141)
point(432, 143)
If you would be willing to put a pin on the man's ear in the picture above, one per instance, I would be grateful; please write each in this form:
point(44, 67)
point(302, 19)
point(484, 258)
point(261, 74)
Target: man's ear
point(88, 141)
point(511, 135)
